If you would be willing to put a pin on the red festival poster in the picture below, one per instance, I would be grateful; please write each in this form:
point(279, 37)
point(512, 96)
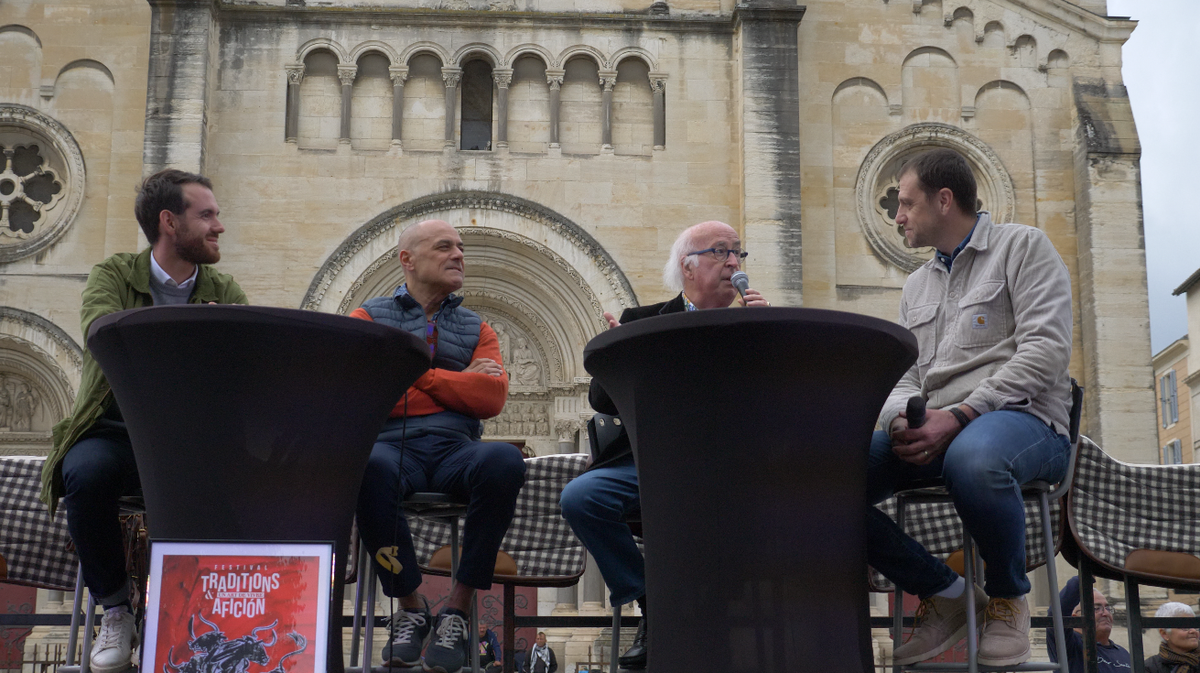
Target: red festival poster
point(238, 607)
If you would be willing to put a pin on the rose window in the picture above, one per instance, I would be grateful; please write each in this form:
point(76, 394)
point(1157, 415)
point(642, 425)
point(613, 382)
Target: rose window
point(28, 189)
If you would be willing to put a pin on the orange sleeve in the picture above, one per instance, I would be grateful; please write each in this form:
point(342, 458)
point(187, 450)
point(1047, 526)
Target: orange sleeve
point(473, 394)
point(361, 314)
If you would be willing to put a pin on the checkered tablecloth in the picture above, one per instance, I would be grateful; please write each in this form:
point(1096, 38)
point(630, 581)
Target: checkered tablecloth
point(539, 538)
point(36, 548)
point(1117, 507)
point(938, 528)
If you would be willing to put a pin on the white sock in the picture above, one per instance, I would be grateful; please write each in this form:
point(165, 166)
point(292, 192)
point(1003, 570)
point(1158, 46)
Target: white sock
point(954, 590)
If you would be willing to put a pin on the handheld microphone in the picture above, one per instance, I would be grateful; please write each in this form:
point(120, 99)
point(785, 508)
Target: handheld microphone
point(915, 411)
point(741, 281)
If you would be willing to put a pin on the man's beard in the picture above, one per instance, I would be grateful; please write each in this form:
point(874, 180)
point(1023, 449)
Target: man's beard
point(192, 249)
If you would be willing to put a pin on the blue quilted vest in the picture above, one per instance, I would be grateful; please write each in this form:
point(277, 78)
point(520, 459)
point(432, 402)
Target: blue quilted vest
point(457, 336)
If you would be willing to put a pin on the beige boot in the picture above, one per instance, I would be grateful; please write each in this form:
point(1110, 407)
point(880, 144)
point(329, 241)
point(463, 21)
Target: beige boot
point(941, 622)
point(1004, 640)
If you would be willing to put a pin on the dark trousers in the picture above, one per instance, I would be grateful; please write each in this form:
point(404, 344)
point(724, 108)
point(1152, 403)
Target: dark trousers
point(97, 471)
point(486, 474)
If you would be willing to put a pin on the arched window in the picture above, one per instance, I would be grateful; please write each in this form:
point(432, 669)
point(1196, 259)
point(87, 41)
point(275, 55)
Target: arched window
point(476, 92)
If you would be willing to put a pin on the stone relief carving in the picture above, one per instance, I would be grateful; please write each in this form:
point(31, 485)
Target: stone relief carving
point(20, 400)
point(878, 178)
point(524, 368)
point(520, 420)
point(41, 181)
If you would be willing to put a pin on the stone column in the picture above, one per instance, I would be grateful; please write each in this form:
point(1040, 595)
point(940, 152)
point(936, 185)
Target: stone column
point(555, 79)
point(658, 86)
point(1114, 314)
point(183, 35)
point(770, 112)
point(503, 77)
point(291, 125)
point(451, 77)
point(399, 75)
point(608, 80)
point(346, 74)
point(568, 598)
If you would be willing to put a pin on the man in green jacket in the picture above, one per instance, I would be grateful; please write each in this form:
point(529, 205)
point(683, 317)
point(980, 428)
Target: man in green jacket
point(91, 465)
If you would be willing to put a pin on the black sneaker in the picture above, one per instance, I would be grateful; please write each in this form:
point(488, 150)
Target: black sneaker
point(408, 631)
point(635, 657)
point(451, 640)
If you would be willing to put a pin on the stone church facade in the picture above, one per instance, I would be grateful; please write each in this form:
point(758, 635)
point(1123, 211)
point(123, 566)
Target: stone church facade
point(569, 142)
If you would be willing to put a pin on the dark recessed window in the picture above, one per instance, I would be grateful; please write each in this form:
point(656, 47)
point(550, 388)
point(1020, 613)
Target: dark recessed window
point(477, 106)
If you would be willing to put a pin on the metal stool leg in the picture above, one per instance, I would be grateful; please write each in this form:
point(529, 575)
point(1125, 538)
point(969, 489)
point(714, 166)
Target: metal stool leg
point(898, 596)
point(1060, 639)
point(1133, 609)
point(356, 631)
point(972, 625)
point(85, 657)
point(369, 618)
point(616, 638)
point(76, 607)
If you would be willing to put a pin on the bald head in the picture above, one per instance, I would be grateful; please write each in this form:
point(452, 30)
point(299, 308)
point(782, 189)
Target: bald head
point(431, 253)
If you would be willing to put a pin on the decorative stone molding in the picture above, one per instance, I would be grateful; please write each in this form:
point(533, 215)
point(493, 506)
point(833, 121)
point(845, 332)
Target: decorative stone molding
point(41, 189)
point(503, 77)
point(608, 79)
point(295, 73)
point(565, 429)
point(40, 369)
point(398, 73)
point(554, 78)
point(346, 74)
point(451, 76)
point(385, 226)
point(878, 179)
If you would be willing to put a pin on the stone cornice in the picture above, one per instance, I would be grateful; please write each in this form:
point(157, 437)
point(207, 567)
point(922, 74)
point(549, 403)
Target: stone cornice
point(1068, 15)
point(1171, 354)
point(421, 17)
point(755, 12)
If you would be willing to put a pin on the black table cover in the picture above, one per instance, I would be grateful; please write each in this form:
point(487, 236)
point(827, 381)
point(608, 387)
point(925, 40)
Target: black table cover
point(750, 429)
point(254, 423)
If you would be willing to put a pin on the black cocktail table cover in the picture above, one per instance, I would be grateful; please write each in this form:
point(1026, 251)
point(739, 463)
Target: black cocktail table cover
point(750, 428)
point(254, 423)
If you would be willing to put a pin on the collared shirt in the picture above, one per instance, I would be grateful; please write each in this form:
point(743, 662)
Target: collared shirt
point(688, 305)
point(165, 278)
point(948, 260)
point(430, 325)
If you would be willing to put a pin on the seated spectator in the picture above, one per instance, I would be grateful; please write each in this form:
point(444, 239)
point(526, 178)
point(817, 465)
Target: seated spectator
point(489, 650)
point(1180, 649)
point(540, 658)
point(1110, 657)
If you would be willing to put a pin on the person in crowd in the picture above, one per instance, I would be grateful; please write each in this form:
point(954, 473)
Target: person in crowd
point(991, 312)
point(541, 657)
point(1110, 657)
point(490, 654)
point(431, 442)
point(91, 465)
point(1180, 648)
point(597, 503)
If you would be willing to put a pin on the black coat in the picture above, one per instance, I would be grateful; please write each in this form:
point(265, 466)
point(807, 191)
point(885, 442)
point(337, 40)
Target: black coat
point(533, 665)
point(600, 401)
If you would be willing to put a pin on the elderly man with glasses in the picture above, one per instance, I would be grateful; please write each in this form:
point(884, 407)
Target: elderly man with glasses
point(1110, 657)
point(599, 502)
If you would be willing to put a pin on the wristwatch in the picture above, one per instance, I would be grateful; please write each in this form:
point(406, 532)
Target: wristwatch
point(962, 417)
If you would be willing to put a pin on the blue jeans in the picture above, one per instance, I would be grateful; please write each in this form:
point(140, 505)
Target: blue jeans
point(983, 468)
point(595, 504)
point(489, 475)
point(97, 471)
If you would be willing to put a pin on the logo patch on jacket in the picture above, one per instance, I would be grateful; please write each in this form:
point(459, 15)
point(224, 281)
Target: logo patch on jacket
point(979, 321)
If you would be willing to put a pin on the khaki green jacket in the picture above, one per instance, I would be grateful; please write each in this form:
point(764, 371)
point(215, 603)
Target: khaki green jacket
point(118, 283)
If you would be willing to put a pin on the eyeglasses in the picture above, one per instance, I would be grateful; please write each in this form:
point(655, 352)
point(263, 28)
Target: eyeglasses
point(721, 253)
point(1103, 608)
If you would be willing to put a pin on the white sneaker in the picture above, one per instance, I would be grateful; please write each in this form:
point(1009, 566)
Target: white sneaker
point(111, 650)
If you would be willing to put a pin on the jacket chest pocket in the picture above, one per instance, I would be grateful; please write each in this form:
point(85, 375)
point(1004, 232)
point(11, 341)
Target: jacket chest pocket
point(923, 324)
point(983, 316)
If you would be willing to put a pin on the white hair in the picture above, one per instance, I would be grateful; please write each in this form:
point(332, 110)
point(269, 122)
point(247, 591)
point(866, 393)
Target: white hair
point(1174, 609)
point(679, 259)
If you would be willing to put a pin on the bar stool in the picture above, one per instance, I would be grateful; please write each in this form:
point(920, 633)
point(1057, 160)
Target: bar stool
point(1043, 493)
point(429, 505)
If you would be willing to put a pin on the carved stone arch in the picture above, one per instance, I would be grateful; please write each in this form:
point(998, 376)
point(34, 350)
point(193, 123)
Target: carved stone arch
point(529, 50)
point(585, 51)
point(24, 30)
point(377, 47)
point(424, 47)
point(634, 52)
point(476, 49)
point(327, 44)
point(863, 82)
point(40, 369)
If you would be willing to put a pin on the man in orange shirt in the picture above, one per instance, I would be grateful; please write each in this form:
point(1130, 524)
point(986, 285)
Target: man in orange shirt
point(431, 443)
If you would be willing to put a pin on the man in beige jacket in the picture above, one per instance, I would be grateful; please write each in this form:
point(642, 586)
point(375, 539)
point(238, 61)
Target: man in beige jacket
point(992, 317)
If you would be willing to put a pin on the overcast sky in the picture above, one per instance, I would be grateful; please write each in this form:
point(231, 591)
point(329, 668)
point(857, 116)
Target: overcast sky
point(1162, 72)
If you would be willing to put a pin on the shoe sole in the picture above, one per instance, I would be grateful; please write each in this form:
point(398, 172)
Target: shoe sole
point(110, 669)
point(1010, 661)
